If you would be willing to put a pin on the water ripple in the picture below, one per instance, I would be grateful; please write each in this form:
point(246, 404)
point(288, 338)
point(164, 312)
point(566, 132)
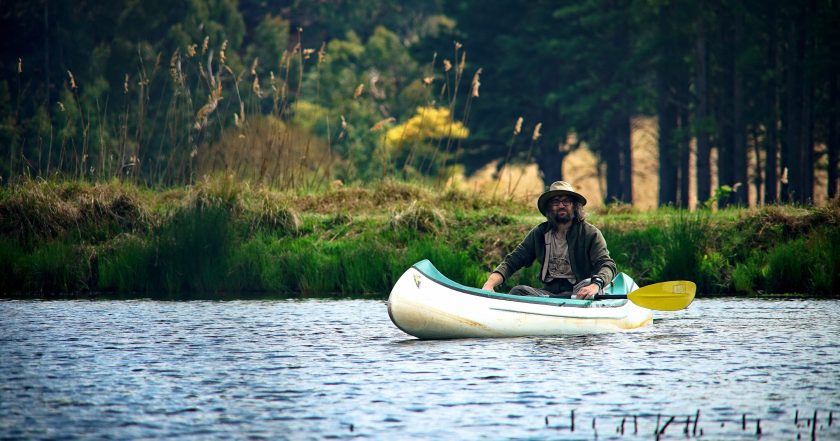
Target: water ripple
point(325, 369)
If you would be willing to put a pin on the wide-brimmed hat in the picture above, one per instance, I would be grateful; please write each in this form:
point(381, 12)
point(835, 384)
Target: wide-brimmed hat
point(558, 188)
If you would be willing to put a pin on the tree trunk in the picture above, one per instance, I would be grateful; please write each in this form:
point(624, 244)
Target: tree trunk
point(792, 117)
point(771, 147)
point(834, 135)
point(725, 109)
point(806, 150)
point(684, 146)
point(667, 115)
point(701, 119)
point(739, 132)
point(550, 162)
point(617, 156)
point(667, 151)
point(612, 157)
point(48, 86)
point(626, 149)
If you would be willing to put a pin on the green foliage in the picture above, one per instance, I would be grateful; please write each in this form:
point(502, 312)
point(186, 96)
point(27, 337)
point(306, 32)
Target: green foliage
point(271, 38)
point(825, 266)
point(683, 247)
point(637, 251)
point(55, 267)
point(713, 275)
point(224, 235)
point(188, 253)
point(749, 276)
point(788, 267)
point(383, 66)
point(11, 254)
point(126, 265)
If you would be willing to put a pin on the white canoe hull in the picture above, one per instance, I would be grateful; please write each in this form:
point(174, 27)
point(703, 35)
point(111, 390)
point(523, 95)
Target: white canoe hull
point(423, 305)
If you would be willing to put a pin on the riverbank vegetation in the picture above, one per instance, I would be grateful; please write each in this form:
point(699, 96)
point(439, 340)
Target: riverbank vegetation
point(223, 235)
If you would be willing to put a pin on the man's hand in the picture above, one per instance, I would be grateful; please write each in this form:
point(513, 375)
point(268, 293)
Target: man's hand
point(588, 292)
point(494, 280)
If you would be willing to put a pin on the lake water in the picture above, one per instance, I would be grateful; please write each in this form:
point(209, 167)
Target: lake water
point(338, 369)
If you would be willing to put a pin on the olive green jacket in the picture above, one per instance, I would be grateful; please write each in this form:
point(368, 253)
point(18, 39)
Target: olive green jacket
point(588, 252)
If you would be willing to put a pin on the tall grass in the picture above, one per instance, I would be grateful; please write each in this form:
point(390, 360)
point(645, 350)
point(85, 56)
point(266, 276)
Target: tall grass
point(204, 116)
point(223, 235)
point(187, 253)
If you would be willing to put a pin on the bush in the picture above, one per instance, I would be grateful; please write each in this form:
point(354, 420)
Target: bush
point(749, 275)
point(55, 267)
point(787, 267)
point(125, 265)
point(825, 264)
point(683, 247)
point(714, 274)
point(11, 254)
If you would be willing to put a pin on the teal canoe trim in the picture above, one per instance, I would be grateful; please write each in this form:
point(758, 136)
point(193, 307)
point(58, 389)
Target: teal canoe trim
point(426, 268)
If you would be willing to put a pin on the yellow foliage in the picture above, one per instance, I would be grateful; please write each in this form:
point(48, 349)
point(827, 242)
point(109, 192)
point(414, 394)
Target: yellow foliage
point(427, 123)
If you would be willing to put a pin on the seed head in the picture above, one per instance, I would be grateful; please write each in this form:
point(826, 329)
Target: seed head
point(255, 87)
point(380, 124)
point(518, 128)
point(254, 65)
point(476, 83)
point(447, 65)
point(322, 52)
point(536, 134)
point(20, 65)
point(359, 89)
point(222, 52)
point(72, 80)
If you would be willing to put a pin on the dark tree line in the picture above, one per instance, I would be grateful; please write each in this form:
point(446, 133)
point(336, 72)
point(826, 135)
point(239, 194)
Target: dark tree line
point(742, 78)
point(737, 76)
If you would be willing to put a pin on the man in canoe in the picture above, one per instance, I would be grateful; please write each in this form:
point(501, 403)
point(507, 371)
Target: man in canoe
point(572, 252)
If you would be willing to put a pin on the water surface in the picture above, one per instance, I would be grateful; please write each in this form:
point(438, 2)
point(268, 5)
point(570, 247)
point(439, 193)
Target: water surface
point(339, 369)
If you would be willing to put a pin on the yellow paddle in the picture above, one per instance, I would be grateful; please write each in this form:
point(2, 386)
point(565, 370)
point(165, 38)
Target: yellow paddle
point(665, 296)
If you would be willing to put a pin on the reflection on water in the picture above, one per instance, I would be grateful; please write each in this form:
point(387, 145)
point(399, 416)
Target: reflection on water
point(317, 369)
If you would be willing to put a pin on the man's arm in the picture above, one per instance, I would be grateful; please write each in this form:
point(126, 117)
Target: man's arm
point(605, 268)
point(604, 265)
point(493, 281)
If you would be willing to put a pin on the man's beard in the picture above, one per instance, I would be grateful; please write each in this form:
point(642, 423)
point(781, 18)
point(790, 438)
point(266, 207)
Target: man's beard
point(560, 217)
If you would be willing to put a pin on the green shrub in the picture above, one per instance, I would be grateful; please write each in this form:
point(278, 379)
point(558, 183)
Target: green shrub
point(749, 276)
point(637, 252)
point(825, 264)
point(189, 252)
point(125, 265)
point(55, 267)
point(11, 254)
point(713, 274)
point(683, 248)
point(787, 267)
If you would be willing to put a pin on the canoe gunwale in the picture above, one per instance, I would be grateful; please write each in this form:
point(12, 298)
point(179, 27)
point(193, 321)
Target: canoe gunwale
point(547, 301)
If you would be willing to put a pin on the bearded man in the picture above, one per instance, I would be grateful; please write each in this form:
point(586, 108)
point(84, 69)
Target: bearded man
point(573, 253)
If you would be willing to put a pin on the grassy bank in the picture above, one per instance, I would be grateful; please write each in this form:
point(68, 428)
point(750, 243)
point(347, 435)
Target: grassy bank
point(226, 236)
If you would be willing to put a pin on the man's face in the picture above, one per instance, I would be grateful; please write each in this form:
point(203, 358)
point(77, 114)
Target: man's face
point(561, 209)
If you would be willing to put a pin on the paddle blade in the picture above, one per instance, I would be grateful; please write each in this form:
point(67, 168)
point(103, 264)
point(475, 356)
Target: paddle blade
point(665, 296)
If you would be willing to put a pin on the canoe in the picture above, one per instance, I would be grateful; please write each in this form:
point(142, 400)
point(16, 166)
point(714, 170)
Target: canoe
point(426, 304)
